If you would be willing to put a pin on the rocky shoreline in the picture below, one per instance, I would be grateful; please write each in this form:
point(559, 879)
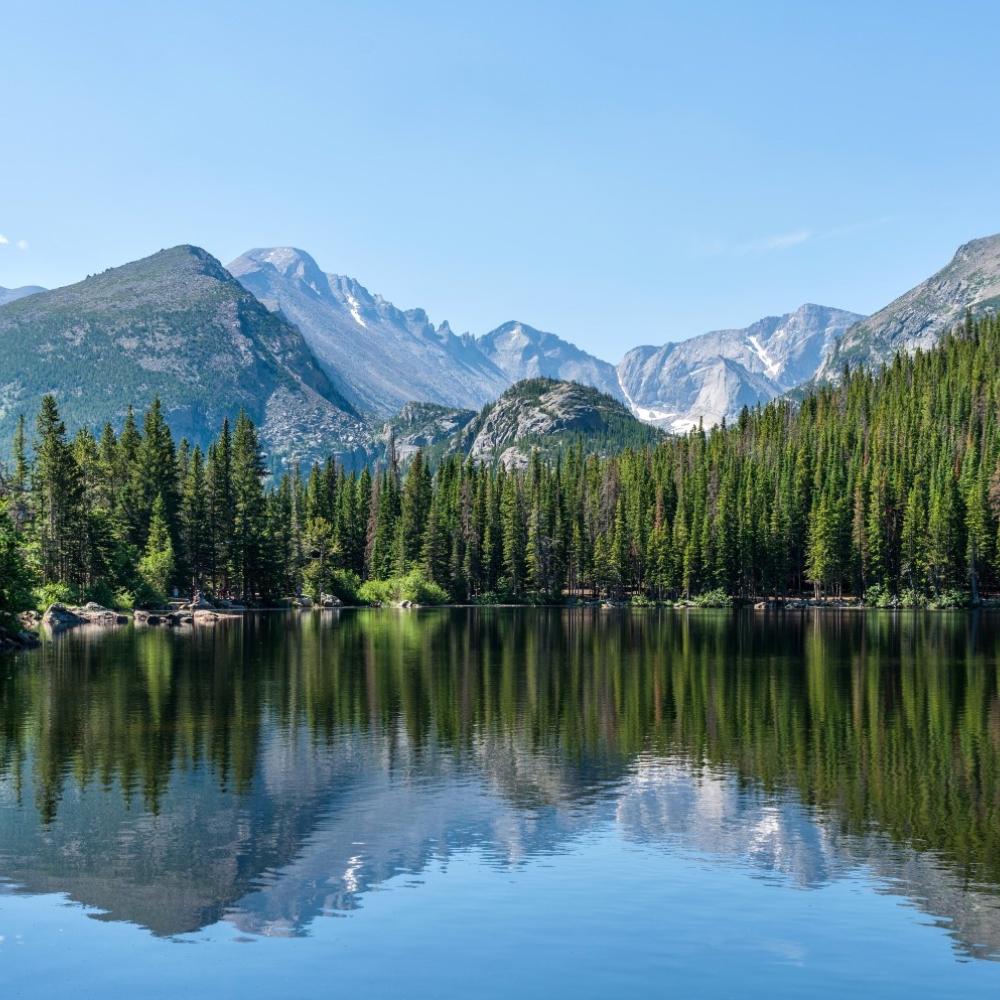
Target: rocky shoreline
point(59, 617)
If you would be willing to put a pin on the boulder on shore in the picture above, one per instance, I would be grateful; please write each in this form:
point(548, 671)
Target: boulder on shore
point(211, 617)
point(97, 614)
point(59, 617)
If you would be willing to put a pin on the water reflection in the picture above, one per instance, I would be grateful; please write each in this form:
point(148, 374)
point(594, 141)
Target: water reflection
point(277, 771)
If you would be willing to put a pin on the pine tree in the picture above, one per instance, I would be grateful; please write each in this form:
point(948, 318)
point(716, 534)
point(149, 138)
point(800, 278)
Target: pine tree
point(157, 564)
point(415, 506)
point(56, 497)
point(246, 553)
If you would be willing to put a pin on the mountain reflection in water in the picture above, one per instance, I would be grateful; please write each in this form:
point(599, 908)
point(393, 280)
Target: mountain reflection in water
point(279, 770)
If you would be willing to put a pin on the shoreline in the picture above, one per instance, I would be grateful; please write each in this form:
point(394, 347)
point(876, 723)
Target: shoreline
point(30, 636)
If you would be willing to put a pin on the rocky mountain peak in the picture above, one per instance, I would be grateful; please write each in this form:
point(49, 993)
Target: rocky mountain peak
point(289, 262)
point(176, 325)
point(548, 415)
point(969, 282)
point(377, 355)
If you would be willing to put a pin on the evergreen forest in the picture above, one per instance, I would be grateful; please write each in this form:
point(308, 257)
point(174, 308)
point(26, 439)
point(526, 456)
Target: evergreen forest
point(884, 486)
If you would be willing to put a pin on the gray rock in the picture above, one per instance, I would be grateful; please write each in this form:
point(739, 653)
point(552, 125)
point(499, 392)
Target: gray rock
point(540, 413)
point(59, 617)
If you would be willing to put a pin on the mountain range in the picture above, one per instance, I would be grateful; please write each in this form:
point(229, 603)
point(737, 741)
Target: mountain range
point(712, 377)
point(326, 367)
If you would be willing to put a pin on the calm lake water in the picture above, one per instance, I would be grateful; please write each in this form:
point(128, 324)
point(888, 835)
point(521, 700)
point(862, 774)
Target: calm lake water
point(501, 803)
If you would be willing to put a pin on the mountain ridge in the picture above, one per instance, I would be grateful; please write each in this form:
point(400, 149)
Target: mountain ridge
point(970, 281)
point(710, 377)
point(176, 325)
point(379, 356)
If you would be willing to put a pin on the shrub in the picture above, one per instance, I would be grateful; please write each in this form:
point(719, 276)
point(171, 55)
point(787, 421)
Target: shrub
point(145, 596)
point(124, 600)
point(345, 584)
point(54, 593)
point(717, 598)
point(911, 598)
point(947, 599)
point(413, 587)
point(101, 593)
point(879, 596)
point(491, 597)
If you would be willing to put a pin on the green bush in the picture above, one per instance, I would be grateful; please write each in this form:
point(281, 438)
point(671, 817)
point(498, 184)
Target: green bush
point(345, 584)
point(911, 598)
point(947, 599)
point(717, 598)
point(124, 600)
point(493, 597)
point(54, 593)
point(879, 596)
point(101, 593)
point(413, 587)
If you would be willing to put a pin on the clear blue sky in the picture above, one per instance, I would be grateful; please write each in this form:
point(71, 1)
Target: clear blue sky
point(619, 173)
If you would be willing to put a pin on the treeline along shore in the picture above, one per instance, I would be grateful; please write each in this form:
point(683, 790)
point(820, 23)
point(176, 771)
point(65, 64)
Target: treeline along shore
point(885, 486)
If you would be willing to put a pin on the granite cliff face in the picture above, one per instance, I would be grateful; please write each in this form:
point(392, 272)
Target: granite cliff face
point(378, 356)
point(969, 283)
point(713, 376)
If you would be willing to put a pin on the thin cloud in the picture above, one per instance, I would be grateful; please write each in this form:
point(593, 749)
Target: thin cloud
point(3, 240)
point(779, 241)
point(22, 244)
point(766, 244)
point(785, 241)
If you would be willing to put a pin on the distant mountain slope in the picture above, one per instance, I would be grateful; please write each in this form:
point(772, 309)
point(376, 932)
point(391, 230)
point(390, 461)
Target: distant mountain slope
point(712, 376)
point(550, 416)
point(177, 325)
point(523, 352)
point(379, 356)
point(419, 426)
point(971, 281)
point(11, 294)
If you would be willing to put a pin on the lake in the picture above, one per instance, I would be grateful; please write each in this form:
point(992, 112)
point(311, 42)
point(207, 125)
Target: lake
point(505, 802)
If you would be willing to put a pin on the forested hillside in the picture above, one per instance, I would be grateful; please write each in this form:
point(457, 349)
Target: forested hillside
point(175, 325)
point(887, 485)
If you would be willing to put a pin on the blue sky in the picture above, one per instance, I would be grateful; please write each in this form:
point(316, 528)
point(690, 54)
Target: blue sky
point(618, 173)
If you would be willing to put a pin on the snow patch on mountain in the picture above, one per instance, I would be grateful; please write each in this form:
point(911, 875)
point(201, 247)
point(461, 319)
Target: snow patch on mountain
point(710, 378)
